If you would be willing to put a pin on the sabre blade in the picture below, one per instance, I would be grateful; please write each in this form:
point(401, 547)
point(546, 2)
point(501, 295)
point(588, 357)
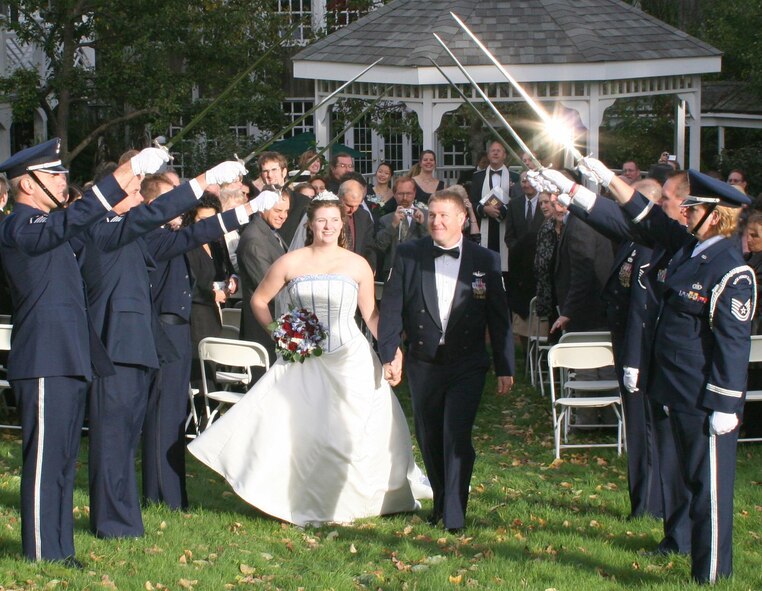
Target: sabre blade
point(291, 126)
point(479, 114)
point(487, 100)
point(536, 107)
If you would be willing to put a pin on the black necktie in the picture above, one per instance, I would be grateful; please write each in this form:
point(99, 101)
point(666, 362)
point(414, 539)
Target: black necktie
point(453, 252)
point(529, 212)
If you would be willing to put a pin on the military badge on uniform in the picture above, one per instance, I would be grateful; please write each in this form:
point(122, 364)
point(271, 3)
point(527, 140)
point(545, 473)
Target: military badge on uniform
point(741, 310)
point(479, 286)
point(661, 275)
point(697, 286)
point(625, 274)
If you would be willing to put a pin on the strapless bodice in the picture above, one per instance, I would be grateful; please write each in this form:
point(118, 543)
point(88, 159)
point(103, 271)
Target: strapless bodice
point(333, 299)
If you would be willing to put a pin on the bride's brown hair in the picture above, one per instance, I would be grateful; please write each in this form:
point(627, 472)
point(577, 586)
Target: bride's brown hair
point(316, 204)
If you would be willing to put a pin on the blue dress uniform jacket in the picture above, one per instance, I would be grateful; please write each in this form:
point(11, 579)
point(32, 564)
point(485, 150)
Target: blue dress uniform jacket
point(115, 260)
point(50, 360)
point(701, 355)
point(446, 381)
point(171, 286)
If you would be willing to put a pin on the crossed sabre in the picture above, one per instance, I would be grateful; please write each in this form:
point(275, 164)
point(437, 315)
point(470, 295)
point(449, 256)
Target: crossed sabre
point(487, 100)
point(536, 107)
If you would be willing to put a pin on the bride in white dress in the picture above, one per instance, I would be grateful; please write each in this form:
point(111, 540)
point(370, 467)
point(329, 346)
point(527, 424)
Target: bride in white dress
point(325, 440)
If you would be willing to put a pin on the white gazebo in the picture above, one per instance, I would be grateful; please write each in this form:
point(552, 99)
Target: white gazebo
point(581, 55)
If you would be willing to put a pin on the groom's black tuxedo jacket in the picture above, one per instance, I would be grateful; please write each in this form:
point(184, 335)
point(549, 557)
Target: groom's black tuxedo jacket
point(410, 304)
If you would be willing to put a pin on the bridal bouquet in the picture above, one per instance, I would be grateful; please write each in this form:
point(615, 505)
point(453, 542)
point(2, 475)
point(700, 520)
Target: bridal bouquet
point(298, 334)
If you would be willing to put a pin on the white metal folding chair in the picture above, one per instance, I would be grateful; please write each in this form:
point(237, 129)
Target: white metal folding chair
point(231, 317)
point(577, 356)
point(240, 357)
point(192, 423)
point(5, 345)
point(755, 356)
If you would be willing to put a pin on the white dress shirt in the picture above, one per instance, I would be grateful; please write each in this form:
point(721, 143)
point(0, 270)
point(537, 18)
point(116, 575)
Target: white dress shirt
point(446, 269)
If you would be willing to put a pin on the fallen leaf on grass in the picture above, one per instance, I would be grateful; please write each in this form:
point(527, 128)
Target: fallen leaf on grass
point(187, 583)
point(246, 569)
point(153, 550)
point(555, 464)
point(456, 579)
point(107, 582)
point(352, 549)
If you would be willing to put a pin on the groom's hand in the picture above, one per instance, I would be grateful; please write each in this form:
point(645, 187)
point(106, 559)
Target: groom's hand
point(504, 385)
point(392, 374)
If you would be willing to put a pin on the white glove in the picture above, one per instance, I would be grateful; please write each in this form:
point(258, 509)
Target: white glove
point(666, 409)
point(564, 199)
point(149, 160)
point(225, 172)
point(556, 182)
point(264, 201)
point(630, 379)
point(721, 423)
point(596, 170)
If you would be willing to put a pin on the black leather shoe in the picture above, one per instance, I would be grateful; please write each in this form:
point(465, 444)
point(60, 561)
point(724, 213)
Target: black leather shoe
point(456, 531)
point(71, 562)
point(433, 518)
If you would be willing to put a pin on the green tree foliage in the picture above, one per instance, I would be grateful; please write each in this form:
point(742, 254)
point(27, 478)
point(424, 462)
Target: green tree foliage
point(156, 63)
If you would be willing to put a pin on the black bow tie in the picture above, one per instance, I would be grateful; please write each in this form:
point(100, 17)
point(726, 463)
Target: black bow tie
point(453, 252)
point(499, 171)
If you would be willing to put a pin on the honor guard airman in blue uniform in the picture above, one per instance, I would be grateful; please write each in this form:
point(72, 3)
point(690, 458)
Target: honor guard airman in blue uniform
point(115, 261)
point(54, 352)
point(609, 219)
point(701, 350)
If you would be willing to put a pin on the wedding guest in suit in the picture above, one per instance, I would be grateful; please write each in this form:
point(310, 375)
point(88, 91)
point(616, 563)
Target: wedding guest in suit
point(425, 181)
point(522, 222)
point(492, 216)
point(407, 223)
point(260, 246)
point(54, 354)
point(359, 225)
point(443, 293)
point(341, 164)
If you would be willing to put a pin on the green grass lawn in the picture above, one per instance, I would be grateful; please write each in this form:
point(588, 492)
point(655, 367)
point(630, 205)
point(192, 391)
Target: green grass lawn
point(532, 524)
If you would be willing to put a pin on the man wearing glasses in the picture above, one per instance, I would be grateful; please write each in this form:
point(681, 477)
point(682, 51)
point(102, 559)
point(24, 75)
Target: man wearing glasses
point(341, 164)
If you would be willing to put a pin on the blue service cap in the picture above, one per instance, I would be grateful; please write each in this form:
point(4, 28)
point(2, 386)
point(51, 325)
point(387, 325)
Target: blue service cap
point(708, 190)
point(44, 157)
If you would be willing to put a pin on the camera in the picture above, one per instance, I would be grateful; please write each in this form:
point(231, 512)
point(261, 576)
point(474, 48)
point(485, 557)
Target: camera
point(409, 210)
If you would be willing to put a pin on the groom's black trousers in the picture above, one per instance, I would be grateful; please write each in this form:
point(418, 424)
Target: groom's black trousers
point(445, 395)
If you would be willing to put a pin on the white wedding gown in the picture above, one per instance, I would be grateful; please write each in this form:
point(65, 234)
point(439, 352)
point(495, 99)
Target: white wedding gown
point(321, 441)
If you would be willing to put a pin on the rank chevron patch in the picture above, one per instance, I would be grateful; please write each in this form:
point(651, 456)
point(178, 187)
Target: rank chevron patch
point(741, 310)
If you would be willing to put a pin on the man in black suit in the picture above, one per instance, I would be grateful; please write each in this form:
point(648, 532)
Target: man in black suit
point(442, 293)
point(260, 246)
point(359, 227)
point(583, 263)
point(522, 221)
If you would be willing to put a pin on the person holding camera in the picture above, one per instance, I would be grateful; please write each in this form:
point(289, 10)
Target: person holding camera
point(404, 223)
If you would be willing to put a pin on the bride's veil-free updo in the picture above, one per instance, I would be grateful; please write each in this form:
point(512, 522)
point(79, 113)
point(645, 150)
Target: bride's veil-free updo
point(325, 199)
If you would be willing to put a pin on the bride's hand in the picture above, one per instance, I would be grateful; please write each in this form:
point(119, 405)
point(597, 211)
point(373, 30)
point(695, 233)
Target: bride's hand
point(391, 374)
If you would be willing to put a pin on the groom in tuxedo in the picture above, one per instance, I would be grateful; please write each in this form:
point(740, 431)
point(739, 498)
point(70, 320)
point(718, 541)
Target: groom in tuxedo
point(442, 293)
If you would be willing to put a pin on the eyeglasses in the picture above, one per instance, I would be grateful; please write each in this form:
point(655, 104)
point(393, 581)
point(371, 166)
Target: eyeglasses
point(342, 165)
point(406, 194)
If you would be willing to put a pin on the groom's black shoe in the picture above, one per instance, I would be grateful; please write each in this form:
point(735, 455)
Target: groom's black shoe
point(456, 530)
point(433, 518)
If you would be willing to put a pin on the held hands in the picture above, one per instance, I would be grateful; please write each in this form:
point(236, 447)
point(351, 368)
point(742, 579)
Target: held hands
point(393, 369)
point(264, 201)
point(225, 172)
point(149, 161)
point(596, 170)
point(721, 423)
point(630, 379)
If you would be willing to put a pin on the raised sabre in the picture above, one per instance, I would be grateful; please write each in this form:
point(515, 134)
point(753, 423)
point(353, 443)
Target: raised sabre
point(205, 111)
point(486, 99)
point(536, 107)
point(336, 138)
point(479, 114)
point(291, 126)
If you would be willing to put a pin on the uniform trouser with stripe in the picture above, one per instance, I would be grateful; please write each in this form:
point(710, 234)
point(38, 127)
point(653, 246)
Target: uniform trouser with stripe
point(164, 427)
point(117, 409)
point(52, 411)
point(708, 464)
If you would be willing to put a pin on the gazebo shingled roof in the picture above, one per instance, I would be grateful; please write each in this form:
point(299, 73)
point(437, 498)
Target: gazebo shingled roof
point(584, 31)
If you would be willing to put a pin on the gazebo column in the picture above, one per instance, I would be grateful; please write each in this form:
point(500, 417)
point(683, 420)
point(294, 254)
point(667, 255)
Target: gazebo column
point(591, 114)
point(430, 114)
point(680, 130)
point(720, 139)
point(6, 120)
point(691, 113)
point(322, 120)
